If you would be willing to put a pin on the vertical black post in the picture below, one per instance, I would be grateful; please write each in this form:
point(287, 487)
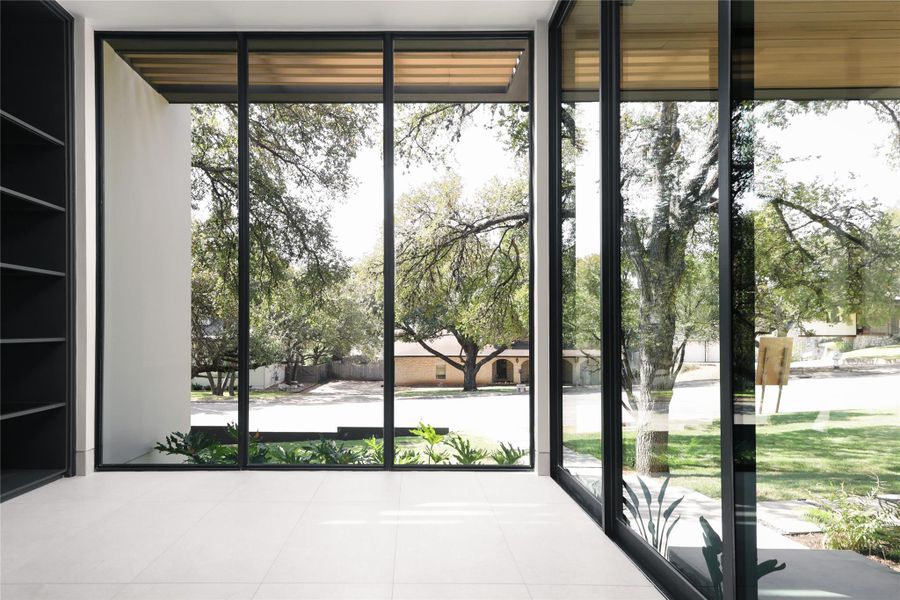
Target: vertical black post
point(736, 303)
point(388, 154)
point(555, 243)
point(243, 251)
point(610, 230)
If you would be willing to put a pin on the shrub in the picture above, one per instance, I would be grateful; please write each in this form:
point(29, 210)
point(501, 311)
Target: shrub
point(329, 452)
point(865, 524)
point(508, 455)
point(464, 453)
point(431, 438)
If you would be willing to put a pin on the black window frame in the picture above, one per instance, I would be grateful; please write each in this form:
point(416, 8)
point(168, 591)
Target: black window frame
point(735, 83)
point(241, 40)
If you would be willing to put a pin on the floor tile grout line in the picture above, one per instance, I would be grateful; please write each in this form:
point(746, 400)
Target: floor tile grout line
point(397, 533)
point(503, 534)
point(288, 536)
point(172, 545)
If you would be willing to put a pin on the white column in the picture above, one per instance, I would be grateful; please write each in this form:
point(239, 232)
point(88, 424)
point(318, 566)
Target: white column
point(541, 249)
point(85, 203)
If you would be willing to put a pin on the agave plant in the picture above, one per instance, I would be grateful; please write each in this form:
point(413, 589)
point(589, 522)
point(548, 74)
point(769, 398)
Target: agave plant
point(508, 455)
point(656, 531)
point(464, 453)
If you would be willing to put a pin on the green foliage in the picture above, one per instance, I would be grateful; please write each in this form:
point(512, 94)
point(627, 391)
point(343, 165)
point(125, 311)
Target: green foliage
point(656, 531)
point(406, 456)
point(712, 549)
point(374, 450)
point(329, 452)
point(462, 267)
point(431, 438)
point(464, 453)
point(508, 454)
point(866, 524)
point(290, 455)
point(197, 447)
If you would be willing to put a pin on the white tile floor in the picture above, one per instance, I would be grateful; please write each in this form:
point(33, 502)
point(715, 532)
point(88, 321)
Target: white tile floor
point(301, 535)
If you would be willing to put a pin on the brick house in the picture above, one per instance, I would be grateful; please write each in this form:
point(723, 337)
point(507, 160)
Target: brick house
point(415, 366)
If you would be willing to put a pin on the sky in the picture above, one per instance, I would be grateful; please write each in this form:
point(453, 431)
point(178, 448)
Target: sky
point(479, 156)
point(848, 147)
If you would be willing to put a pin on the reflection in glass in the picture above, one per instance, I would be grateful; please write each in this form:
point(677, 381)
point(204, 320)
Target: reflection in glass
point(669, 276)
point(316, 197)
point(822, 216)
point(580, 235)
point(461, 235)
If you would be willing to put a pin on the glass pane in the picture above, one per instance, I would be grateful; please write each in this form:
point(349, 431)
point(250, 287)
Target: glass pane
point(316, 208)
point(462, 244)
point(669, 274)
point(819, 213)
point(169, 251)
point(579, 132)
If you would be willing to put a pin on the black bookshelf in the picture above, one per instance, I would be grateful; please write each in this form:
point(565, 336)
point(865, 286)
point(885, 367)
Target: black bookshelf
point(36, 287)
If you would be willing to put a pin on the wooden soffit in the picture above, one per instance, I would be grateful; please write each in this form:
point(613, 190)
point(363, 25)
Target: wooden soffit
point(828, 47)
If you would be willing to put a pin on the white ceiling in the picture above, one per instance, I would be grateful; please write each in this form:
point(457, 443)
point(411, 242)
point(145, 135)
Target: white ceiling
point(306, 15)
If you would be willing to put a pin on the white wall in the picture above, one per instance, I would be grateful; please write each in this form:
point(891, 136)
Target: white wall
point(85, 245)
point(147, 264)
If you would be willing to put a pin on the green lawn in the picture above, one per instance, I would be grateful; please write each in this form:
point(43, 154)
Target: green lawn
point(497, 390)
point(794, 460)
point(882, 352)
point(207, 396)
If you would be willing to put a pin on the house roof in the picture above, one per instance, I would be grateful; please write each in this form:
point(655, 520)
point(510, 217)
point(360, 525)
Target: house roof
point(448, 346)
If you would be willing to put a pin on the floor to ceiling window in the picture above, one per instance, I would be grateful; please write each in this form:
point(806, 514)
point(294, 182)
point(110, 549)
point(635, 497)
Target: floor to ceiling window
point(316, 189)
point(754, 186)
point(579, 206)
point(818, 212)
point(462, 219)
point(258, 254)
point(669, 319)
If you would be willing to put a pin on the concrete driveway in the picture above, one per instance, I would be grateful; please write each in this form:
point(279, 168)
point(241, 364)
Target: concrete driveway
point(496, 418)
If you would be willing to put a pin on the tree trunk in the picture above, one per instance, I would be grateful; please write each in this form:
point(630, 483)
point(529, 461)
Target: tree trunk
point(216, 385)
point(470, 367)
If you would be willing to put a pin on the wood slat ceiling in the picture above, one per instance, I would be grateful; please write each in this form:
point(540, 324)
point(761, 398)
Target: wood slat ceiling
point(799, 44)
point(492, 69)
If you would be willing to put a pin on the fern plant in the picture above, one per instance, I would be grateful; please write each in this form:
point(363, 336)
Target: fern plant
point(431, 438)
point(295, 455)
point(406, 456)
point(197, 447)
point(464, 452)
point(374, 451)
point(656, 531)
point(329, 452)
point(508, 454)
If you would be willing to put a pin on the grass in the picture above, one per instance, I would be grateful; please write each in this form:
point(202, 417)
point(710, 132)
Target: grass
point(794, 460)
point(453, 393)
point(883, 352)
point(207, 396)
